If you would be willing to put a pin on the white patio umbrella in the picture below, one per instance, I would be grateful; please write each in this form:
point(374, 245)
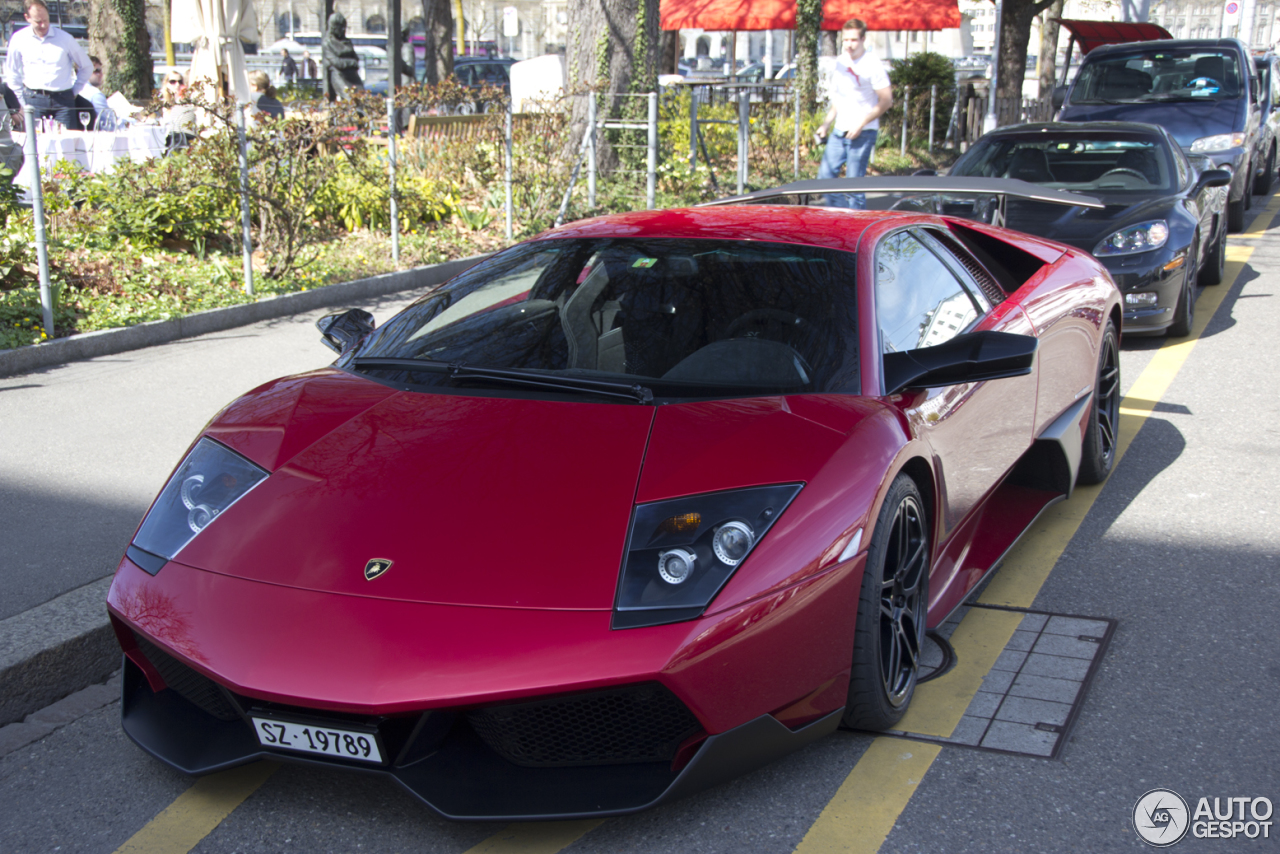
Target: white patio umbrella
point(216, 29)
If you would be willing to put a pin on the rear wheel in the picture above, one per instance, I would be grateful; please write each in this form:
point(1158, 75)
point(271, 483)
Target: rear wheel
point(1262, 186)
point(1236, 209)
point(1098, 455)
point(891, 612)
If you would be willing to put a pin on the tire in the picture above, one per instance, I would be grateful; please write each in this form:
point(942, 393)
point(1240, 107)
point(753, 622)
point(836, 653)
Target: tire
point(892, 610)
point(1184, 313)
point(1215, 263)
point(1236, 209)
point(1262, 186)
point(1098, 453)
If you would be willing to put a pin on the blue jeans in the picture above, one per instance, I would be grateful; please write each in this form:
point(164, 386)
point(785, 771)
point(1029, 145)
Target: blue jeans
point(855, 154)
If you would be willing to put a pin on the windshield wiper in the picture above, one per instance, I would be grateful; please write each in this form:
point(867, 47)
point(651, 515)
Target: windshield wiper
point(515, 376)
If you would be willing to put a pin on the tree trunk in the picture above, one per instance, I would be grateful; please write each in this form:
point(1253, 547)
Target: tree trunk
point(1049, 47)
point(118, 35)
point(438, 40)
point(808, 22)
point(670, 52)
point(613, 48)
point(1015, 32)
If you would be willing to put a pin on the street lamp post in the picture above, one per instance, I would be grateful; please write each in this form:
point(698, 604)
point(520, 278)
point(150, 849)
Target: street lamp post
point(989, 124)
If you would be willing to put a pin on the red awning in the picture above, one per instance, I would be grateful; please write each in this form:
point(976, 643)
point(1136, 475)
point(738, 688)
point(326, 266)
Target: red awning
point(1091, 34)
point(781, 14)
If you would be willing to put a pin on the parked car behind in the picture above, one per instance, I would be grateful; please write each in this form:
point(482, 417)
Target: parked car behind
point(1268, 65)
point(1163, 226)
point(1200, 90)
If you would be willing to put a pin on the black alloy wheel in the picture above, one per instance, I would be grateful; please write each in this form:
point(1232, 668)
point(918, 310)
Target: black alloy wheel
point(1098, 456)
point(1215, 263)
point(892, 611)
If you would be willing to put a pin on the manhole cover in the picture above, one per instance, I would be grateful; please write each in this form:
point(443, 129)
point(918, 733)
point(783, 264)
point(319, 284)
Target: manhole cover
point(1030, 698)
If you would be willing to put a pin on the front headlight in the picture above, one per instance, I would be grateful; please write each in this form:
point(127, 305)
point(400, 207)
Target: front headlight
point(209, 480)
point(682, 551)
point(1136, 238)
point(1219, 142)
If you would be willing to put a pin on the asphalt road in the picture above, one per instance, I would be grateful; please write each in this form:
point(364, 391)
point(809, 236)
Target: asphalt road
point(1181, 547)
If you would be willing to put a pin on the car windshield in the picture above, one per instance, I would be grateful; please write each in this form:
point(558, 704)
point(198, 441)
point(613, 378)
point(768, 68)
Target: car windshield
point(1186, 74)
point(1089, 163)
point(684, 318)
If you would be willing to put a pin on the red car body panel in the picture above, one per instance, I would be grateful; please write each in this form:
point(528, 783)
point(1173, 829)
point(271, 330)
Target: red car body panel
point(507, 519)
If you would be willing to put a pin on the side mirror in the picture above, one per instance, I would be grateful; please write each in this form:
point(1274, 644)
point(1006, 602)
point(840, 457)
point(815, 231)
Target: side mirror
point(1213, 178)
point(969, 358)
point(1059, 96)
point(340, 331)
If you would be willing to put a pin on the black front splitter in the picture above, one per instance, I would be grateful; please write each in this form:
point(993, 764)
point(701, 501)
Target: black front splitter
point(464, 780)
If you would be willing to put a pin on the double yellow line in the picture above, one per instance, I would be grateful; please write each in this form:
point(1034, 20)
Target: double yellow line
point(865, 807)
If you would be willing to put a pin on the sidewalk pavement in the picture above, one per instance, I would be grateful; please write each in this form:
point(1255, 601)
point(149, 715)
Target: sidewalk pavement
point(65, 644)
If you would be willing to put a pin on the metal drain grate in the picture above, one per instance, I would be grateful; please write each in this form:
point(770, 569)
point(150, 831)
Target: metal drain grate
point(1030, 698)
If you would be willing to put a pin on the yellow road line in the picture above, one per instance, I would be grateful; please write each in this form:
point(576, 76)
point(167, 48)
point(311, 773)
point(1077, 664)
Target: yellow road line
point(877, 790)
point(536, 837)
point(198, 810)
point(871, 798)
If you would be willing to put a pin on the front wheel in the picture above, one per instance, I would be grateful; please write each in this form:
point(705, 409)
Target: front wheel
point(892, 610)
point(1262, 186)
point(1215, 263)
point(1236, 209)
point(1184, 313)
point(1098, 455)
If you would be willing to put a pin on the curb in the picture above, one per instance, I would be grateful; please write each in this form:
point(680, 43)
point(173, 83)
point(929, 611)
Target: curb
point(66, 644)
point(55, 649)
point(106, 342)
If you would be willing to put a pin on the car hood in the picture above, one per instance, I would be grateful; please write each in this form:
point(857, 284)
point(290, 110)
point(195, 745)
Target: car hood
point(1084, 227)
point(1186, 121)
point(477, 501)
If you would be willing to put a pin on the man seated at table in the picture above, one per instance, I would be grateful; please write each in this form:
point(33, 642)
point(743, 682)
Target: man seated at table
point(265, 102)
point(46, 67)
point(104, 116)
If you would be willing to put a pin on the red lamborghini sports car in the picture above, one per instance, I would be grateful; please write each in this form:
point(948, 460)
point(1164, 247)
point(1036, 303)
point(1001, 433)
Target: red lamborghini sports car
point(620, 512)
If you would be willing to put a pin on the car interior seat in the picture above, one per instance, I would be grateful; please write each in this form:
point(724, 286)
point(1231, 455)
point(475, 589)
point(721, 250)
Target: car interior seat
point(1029, 164)
point(1122, 83)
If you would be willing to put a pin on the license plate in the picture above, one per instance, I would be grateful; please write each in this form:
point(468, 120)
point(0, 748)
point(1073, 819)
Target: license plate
point(317, 738)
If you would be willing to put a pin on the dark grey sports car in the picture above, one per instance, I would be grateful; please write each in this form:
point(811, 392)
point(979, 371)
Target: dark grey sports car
point(1163, 227)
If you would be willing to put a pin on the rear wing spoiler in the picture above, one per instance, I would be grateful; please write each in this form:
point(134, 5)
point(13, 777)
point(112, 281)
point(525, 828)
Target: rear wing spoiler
point(920, 194)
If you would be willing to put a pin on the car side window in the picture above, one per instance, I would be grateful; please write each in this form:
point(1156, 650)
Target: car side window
point(1275, 84)
point(919, 301)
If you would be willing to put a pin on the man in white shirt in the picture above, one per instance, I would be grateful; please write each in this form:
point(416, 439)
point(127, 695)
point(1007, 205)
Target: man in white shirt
point(860, 94)
point(104, 116)
point(46, 68)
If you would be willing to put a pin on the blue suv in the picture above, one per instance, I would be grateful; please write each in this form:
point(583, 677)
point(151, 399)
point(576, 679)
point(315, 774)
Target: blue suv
point(1203, 91)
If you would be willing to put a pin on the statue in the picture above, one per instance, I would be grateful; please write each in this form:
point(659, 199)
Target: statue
point(338, 59)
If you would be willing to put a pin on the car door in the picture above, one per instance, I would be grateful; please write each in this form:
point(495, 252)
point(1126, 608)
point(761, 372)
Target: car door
point(977, 431)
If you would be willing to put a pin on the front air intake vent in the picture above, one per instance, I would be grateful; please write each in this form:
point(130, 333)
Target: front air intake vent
point(197, 689)
point(639, 723)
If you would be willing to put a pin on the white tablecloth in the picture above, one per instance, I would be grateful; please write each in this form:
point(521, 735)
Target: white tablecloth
point(96, 151)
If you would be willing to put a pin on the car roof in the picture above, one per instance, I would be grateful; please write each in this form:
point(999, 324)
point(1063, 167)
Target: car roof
point(813, 226)
point(1162, 44)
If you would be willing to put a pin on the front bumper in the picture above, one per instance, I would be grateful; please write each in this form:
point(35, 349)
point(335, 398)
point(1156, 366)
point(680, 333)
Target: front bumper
point(204, 650)
point(1144, 272)
point(456, 772)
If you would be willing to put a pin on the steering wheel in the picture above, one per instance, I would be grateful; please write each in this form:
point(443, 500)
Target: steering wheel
point(1122, 170)
point(766, 317)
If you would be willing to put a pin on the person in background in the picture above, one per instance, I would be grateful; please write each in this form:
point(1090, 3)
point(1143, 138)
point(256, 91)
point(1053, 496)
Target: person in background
point(46, 67)
point(264, 96)
point(309, 69)
point(178, 118)
point(860, 93)
point(104, 117)
point(288, 69)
